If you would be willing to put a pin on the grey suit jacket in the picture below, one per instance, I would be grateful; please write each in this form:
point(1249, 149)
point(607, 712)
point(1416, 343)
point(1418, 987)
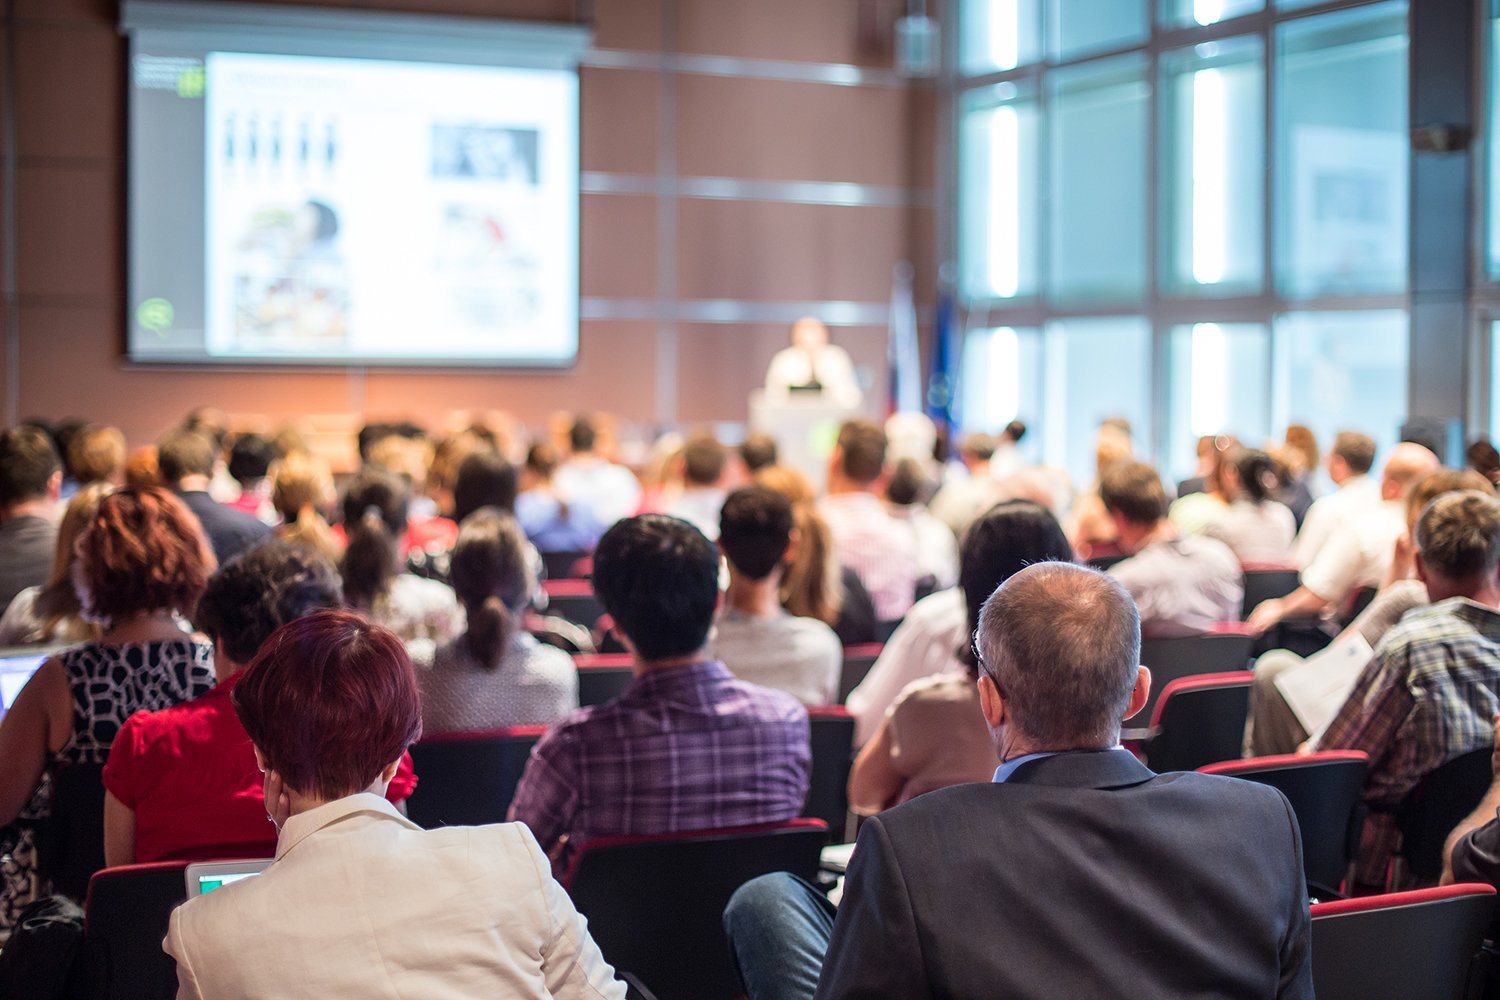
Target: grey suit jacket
point(1084, 875)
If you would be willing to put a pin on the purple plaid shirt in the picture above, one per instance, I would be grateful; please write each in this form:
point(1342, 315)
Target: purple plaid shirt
point(683, 748)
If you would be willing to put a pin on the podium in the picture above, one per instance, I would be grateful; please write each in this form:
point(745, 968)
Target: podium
point(805, 427)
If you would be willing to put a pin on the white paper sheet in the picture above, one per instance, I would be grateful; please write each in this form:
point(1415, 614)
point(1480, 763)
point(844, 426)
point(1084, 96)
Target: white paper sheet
point(1316, 688)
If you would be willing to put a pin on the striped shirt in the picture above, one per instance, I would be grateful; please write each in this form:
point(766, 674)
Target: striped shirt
point(880, 548)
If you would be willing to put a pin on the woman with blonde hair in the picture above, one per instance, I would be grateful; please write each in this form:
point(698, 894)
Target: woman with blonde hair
point(301, 490)
point(52, 612)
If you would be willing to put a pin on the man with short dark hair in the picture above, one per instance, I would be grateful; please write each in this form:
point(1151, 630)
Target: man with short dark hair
point(703, 462)
point(758, 452)
point(881, 549)
point(755, 637)
point(687, 746)
point(1075, 872)
point(186, 461)
point(1182, 584)
point(1433, 686)
point(1348, 464)
point(30, 484)
point(590, 480)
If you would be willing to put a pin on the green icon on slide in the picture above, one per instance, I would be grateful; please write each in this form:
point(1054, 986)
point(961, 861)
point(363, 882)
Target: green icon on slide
point(190, 83)
point(155, 315)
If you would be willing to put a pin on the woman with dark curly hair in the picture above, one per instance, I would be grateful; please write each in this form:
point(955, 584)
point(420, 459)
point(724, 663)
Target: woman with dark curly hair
point(142, 562)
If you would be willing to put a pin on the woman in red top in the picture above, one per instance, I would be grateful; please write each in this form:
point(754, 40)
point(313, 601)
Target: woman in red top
point(182, 783)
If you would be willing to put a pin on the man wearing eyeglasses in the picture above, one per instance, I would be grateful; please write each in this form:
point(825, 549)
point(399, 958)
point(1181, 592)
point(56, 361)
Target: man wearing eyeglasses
point(1076, 872)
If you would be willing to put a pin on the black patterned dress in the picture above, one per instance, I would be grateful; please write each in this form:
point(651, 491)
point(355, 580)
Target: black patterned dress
point(109, 683)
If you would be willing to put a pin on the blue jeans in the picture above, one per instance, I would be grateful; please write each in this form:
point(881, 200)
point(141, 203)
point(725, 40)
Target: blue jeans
point(779, 927)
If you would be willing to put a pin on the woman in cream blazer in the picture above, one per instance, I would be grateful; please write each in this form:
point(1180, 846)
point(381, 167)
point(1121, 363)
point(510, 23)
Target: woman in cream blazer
point(360, 901)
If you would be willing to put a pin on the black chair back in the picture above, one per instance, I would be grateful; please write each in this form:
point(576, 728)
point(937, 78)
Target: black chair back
point(1324, 792)
point(603, 677)
point(468, 779)
point(857, 663)
point(70, 842)
point(1265, 585)
point(577, 605)
point(655, 905)
point(1199, 720)
point(832, 755)
point(1413, 945)
point(1186, 656)
point(565, 565)
point(1437, 805)
point(125, 920)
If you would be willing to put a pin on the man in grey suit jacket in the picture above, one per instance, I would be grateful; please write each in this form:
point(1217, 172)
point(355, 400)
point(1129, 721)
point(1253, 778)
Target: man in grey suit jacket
point(1076, 873)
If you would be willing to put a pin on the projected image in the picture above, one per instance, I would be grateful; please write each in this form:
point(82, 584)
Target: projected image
point(375, 209)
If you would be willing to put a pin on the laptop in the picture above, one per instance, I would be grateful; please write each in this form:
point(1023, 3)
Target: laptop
point(16, 668)
point(206, 876)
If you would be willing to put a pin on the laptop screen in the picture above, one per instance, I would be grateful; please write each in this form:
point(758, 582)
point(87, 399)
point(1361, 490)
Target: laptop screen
point(15, 671)
point(206, 876)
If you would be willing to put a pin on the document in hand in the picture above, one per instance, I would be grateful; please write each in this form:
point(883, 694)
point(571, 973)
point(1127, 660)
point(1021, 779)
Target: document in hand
point(1316, 688)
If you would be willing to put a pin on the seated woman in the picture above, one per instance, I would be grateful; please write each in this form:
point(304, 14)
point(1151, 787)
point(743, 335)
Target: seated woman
point(375, 507)
point(360, 901)
point(142, 562)
point(51, 613)
point(182, 782)
point(495, 674)
point(1258, 527)
point(935, 735)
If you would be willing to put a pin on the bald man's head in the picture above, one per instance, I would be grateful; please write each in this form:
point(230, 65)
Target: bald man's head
point(1407, 464)
point(1062, 644)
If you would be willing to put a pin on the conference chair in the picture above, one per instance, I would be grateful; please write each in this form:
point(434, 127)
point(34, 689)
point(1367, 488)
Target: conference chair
point(1198, 720)
point(1421, 945)
point(1436, 806)
point(70, 842)
point(573, 600)
point(1186, 656)
point(1324, 792)
point(655, 905)
point(125, 920)
point(857, 663)
point(1265, 583)
point(566, 565)
point(603, 677)
point(467, 779)
point(832, 755)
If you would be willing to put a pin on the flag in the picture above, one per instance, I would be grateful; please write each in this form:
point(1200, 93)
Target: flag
point(902, 355)
point(942, 383)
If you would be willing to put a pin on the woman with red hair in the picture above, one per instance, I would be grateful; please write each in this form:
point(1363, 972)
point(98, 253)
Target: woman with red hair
point(142, 562)
point(360, 901)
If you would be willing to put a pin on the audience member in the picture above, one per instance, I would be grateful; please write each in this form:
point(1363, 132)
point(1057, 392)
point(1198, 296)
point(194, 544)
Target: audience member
point(758, 452)
point(250, 460)
point(1090, 527)
point(1182, 584)
point(589, 479)
point(495, 674)
point(182, 782)
point(430, 528)
point(552, 522)
point(1256, 526)
point(141, 468)
point(934, 735)
point(1300, 457)
point(485, 479)
point(1151, 885)
point(1207, 460)
point(755, 637)
point(213, 424)
point(62, 434)
point(302, 493)
point(52, 612)
point(360, 901)
point(1193, 512)
point(1349, 463)
point(1484, 459)
point(416, 609)
point(687, 746)
point(702, 496)
point(30, 487)
point(880, 549)
point(1430, 692)
point(1006, 460)
point(186, 459)
point(1358, 551)
point(1272, 727)
point(1472, 850)
point(142, 562)
point(97, 455)
point(971, 491)
point(937, 548)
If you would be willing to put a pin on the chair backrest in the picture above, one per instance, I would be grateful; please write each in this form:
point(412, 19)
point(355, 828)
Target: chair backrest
point(125, 920)
point(1413, 945)
point(1324, 792)
point(466, 779)
point(70, 842)
point(655, 905)
point(573, 600)
point(1186, 656)
point(1199, 720)
point(565, 565)
point(832, 754)
point(1437, 805)
point(1265, 583)
point(603, 676)
point(857, 663)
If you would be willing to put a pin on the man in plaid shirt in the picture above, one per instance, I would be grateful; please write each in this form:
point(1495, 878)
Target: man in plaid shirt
point(687, 746)
point(1430, 691)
